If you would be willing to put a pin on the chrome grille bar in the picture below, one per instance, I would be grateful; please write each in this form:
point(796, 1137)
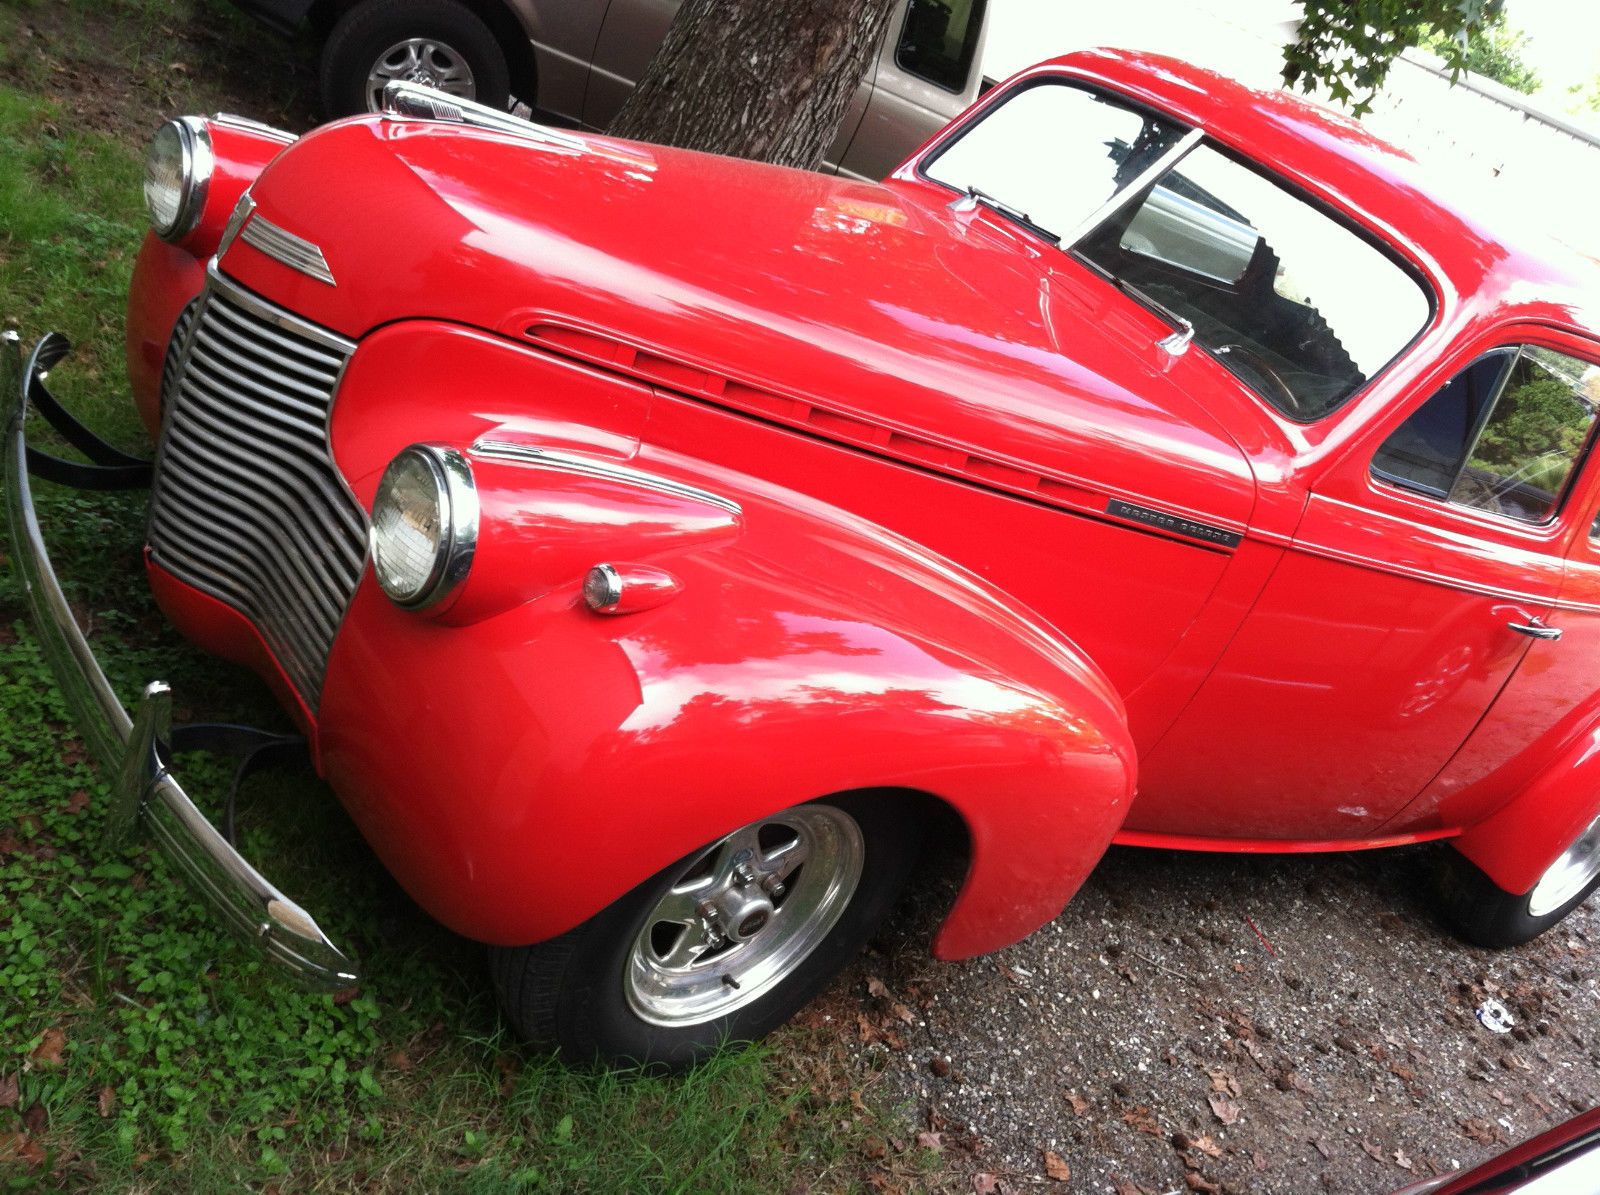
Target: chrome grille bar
point(248, 505)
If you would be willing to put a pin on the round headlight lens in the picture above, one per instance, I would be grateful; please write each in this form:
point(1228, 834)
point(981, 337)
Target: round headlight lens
point(424, 525)
point(177, 170)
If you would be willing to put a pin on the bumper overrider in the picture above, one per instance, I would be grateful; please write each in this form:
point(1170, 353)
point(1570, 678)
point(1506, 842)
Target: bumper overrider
point(133, 752)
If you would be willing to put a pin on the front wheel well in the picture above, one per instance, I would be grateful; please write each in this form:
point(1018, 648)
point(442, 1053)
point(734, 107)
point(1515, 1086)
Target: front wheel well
point(941, 868)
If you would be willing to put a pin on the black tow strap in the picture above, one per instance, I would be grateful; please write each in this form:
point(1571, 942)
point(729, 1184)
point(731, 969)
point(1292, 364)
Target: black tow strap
point(109, 469)
point(255, 749)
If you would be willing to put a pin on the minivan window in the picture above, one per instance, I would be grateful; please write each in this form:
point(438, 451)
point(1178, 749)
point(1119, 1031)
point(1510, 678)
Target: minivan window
point(939, 41)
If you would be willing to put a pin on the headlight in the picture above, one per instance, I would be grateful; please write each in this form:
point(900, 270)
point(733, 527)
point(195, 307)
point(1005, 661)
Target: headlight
point(177, 170)
point(424, 525)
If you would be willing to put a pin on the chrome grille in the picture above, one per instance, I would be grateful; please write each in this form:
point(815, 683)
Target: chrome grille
point(169, 367)
point(248, 505)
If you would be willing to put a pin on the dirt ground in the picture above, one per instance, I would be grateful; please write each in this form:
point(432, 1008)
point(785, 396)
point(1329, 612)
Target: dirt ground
point(1242, 1024)
point(1189, 1023)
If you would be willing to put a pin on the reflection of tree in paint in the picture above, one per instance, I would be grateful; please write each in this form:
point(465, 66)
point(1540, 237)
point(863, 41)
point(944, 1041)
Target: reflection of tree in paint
point(1534, 435)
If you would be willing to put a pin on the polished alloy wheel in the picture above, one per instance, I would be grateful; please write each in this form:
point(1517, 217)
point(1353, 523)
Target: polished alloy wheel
point(1569, 875)
point(420, 60)
point(743, 915)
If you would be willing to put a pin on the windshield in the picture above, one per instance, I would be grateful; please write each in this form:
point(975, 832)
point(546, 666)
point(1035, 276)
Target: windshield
point(1295, 304)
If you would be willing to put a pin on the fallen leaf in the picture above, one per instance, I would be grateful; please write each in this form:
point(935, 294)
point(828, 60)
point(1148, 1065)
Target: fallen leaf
point(904, 1013)
point(1373, 1149)
point(1079, 1104)
point(17, 1146)
point(1130, 1189)
point(1321, 1147)
point(36, 1119)
point(933, 1141)
point(1198, 1182)
point(1055, 1166)
point(1222, 1081)
point(77, 802)
point(48, 1051)
point(1482, 1131)
point(108, 1101)
point(1206, 1146)
point(400, 1060)
point(345, 995)
point(1223, 1108)
point(1404, 1162)
point(8, 1092)
point(1259, 1160)
point(1141, 1119)
point(985, 1183)
point(876, 987)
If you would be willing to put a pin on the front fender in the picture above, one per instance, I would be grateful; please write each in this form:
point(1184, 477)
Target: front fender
point(1518, 842)
point(519, 773)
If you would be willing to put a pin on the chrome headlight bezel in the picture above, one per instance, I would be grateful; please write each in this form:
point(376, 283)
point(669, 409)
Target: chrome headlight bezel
point(195, 165)
point(456, 511)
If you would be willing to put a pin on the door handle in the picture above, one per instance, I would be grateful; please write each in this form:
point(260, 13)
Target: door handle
point(1536, 629)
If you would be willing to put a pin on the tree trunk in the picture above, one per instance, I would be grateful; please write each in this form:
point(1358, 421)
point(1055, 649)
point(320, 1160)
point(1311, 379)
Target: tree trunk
point(763, 79)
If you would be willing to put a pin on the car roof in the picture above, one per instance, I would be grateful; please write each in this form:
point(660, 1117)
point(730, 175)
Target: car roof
point(1340, 160)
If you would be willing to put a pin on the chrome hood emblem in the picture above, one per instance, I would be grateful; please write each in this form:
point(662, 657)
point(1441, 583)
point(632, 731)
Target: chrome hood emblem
point(284, 246)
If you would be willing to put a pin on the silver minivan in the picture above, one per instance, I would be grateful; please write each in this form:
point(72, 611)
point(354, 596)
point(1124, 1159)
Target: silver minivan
point(575, 61)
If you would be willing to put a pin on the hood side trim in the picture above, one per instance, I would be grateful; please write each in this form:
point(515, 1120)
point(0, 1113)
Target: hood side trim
point(880, 439)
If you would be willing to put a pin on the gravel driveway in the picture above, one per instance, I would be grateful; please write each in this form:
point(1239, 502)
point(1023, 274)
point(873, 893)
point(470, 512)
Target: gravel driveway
point(1239, 1024)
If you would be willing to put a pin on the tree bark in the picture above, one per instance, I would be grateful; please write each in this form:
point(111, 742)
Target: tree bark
point(763, 79)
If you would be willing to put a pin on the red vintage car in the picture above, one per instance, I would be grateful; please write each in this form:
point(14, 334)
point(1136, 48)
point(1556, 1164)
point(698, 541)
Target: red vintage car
point(649, 543)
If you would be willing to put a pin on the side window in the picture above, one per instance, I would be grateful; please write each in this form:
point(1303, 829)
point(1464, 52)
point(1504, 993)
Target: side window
point(1425, 452)
point(1504, 435)
point(939, 40)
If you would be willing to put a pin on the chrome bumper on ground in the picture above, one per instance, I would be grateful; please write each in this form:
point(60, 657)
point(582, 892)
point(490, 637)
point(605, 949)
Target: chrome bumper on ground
point(132, 752)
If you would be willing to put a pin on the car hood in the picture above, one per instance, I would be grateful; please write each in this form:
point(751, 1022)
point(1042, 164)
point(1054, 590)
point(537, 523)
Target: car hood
point(875, 304)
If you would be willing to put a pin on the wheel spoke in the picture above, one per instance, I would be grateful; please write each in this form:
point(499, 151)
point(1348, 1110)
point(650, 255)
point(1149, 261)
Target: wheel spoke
point(686, 968)
point(782, 860)
point(682, 903)
point(740, 846)
point(688, 948)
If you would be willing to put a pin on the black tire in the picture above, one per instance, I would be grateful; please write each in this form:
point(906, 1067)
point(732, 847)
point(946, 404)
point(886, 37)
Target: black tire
point(577, 993)
point(1485, 914)
point(359, 41)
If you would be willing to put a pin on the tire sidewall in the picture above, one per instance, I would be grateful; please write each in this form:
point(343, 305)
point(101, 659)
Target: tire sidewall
point(363, 33)
point(595, 1018)
point(1485, 914)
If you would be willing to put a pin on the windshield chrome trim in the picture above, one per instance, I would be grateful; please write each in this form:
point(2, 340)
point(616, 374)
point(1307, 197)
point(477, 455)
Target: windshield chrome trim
point(1142, 182)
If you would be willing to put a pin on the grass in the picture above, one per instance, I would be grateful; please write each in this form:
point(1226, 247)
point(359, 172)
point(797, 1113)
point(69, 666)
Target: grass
point(141, 1049)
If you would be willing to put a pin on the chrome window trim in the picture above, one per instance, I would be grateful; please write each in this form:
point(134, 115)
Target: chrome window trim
point(286, 247)
point(1135, 188)
point(549, 458)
